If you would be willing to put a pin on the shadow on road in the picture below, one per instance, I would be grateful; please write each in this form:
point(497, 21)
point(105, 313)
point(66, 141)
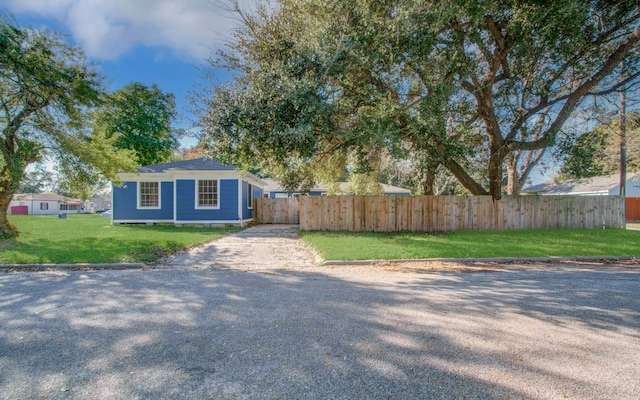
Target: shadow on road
point(228, 334)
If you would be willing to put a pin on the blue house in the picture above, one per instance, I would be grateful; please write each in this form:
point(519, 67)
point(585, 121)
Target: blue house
point(199, 191)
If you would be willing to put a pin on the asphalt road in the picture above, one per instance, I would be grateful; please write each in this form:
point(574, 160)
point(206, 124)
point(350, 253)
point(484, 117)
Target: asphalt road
point(178, 334)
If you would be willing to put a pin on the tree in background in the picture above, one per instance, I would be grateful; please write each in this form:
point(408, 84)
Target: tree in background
point(598, 152)
point(139, 118)
point(460, 84)
point(46, 89)
point(37, 180)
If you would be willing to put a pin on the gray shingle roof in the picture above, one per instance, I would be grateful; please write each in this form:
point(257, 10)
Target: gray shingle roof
point(274, 186)
point(597, 184)
point(197, 164)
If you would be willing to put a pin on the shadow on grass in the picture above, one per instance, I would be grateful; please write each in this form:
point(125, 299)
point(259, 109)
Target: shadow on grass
point(175, 334)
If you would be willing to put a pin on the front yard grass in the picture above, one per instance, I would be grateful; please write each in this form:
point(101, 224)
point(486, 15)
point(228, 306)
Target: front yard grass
point(92, 239)
point(474, 244)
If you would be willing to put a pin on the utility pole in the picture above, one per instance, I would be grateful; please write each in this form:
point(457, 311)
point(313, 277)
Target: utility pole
point(623, 142)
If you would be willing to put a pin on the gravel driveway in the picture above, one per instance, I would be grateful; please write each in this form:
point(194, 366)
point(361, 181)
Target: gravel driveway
point(339, 334)
point(256, 248)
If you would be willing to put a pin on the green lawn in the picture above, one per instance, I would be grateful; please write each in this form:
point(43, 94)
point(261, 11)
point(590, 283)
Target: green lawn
point(473, 244)
point(92, 239)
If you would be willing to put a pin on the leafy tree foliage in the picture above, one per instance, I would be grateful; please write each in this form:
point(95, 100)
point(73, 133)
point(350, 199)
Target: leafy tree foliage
point(37, 180)
point(598, 151)
point(139, 118)
point(453, 84)
point(46, 89)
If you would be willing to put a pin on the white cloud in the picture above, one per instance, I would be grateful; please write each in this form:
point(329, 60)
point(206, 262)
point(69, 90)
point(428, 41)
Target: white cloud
point(106, 29)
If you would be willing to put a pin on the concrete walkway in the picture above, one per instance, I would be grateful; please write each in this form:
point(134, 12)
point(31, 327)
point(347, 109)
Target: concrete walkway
point(256, 248)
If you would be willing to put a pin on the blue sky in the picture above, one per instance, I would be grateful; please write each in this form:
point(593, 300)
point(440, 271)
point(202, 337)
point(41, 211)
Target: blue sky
point(149, 41)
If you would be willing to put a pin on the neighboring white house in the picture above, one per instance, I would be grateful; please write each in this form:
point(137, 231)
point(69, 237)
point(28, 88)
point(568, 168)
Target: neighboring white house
point(97, 203)
point(44, 204)
point(607, 185)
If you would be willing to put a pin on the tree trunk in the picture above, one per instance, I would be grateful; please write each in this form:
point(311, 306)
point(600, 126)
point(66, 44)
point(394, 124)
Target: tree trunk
point(428, 181)
point(513, 183)
point(495, 175)
point(11, 174)
point(6, 229)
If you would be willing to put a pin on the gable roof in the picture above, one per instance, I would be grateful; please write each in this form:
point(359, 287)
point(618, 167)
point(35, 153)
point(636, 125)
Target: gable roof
point(196, 164)
point(45, 197)
point(274, 186)
point(596, 185)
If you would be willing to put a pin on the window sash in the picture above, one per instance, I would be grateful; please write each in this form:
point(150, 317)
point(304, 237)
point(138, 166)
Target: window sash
point(149, 194)
point(207, 193)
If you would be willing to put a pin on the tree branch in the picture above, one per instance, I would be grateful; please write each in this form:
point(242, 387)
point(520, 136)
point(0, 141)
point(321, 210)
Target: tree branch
point(464, 178)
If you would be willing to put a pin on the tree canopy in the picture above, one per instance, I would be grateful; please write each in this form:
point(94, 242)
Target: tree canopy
point(597, 152)
point(480, 88)
point(46, 89)
point(140, 118)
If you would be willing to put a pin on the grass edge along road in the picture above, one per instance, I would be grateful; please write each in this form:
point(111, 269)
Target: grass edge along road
point(89, 238)
point(343, 246)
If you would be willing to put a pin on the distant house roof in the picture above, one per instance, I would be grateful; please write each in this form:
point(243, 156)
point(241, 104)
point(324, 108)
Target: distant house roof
point(45, 197)
point(196, 164)
point(585, 186)
point(274, 186)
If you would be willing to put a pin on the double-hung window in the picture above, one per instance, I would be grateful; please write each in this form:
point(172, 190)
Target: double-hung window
point(249, 195)
point(207, 194)
point(149, 195)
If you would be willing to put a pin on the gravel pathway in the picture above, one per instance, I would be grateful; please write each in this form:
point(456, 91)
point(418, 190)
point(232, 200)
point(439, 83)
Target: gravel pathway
point(256, 248)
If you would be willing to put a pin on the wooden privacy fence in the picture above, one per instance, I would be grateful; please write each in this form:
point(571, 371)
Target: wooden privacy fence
point(633, 208)
point(442, 213)
point(277, 211)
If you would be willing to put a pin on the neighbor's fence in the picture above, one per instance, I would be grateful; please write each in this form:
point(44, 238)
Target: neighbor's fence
point(276, 211)
point(633, 208)
point(442, 213)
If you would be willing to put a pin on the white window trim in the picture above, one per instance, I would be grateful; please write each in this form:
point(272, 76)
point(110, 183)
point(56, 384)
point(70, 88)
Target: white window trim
point(249, 196)
point(159, 206)
point(198, 207)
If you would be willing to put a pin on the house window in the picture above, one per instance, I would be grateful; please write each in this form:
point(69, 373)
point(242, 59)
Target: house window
point(249, 195)
point(44, 206)
point(207, 194)
point(149, 194)
point(68, 207)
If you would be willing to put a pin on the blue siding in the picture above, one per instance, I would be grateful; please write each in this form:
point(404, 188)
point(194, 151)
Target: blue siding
point(227, 200)
point(247, 212)
point(125, 202)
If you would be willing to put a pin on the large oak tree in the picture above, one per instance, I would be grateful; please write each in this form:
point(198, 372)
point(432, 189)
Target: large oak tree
point(460, 84)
